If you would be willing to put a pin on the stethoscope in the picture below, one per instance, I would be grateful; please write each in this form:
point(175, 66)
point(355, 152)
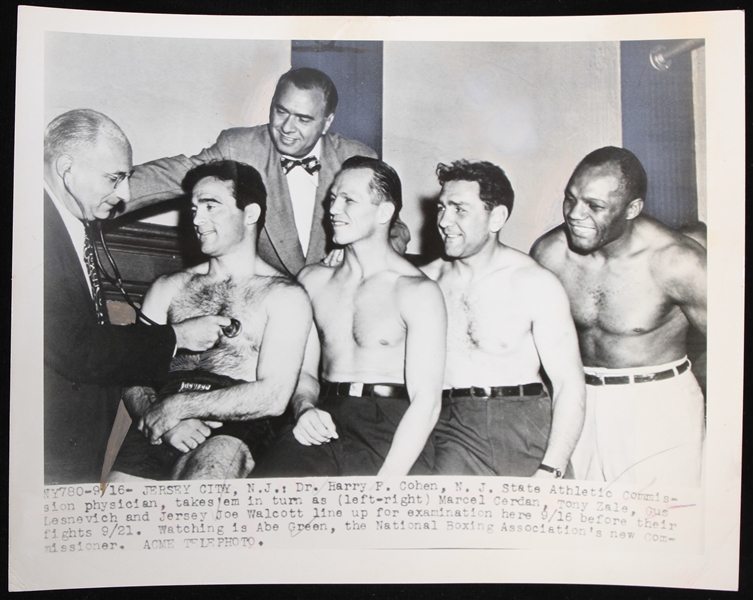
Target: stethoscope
point(229, 331)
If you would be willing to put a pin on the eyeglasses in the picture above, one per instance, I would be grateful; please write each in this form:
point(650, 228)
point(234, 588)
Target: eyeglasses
point(115, 178)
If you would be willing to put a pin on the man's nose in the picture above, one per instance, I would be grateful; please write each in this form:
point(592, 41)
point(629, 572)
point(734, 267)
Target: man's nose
point(288, 125)
point(123, 190)
point(198, 217)
point(335, 207)
point(575, 211)
point(445, 218)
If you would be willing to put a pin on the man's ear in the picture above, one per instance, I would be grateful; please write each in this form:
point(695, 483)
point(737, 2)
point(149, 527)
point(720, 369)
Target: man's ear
point(498, 218)
point(634, 208)
point(385, 212)
point(253, 211)
point(328, 122)
point(63, 164)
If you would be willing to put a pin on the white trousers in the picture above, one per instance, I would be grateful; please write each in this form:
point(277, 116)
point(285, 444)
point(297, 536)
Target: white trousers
point(642, 433)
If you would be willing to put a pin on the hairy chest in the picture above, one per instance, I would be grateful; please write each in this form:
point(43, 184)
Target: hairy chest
point(485, 316)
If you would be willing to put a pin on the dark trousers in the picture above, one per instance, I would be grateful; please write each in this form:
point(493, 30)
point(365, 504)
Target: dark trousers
point(492, 436)
point(365, 427)
point(139, 457)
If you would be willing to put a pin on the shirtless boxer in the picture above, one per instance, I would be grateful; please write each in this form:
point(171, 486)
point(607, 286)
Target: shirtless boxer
point(381, 337)
point(635, 288)
point(252, 371)
point(507, 318)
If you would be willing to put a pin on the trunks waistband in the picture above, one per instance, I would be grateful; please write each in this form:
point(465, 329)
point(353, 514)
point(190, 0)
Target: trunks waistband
point(490, 393)
point(181, 382)
point(364, 390)
point(601, 376)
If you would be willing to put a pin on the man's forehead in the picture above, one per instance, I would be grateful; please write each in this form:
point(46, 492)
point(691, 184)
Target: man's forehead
point(354, 179)
point(211, 188)
point(291, 94)
point(111, 155)
point(606, 177)
point(461, 191)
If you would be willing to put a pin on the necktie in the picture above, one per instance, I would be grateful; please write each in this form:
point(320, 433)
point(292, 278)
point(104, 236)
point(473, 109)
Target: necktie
point(310, 163)
point(97, 292)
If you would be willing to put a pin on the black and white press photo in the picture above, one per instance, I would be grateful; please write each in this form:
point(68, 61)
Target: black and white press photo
point(310, 285)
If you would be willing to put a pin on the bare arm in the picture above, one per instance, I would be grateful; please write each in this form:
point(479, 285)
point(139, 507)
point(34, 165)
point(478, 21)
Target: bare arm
point(681, 270)
point(557, 344)
point(423, 311)
point(277, 370)
point(313, 426)
point(549, 247)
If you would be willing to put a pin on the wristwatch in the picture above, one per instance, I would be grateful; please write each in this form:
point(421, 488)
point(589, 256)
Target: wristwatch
point(557, 473)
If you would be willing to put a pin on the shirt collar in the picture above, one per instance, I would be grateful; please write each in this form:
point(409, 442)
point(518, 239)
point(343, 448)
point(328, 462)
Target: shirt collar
point(74, 226)
point(315, 151)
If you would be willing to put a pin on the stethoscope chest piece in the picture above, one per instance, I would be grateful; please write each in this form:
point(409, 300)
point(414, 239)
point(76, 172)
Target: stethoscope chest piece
point(233, 329)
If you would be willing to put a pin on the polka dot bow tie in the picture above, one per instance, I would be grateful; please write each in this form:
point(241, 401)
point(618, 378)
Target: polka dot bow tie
point(310, 163)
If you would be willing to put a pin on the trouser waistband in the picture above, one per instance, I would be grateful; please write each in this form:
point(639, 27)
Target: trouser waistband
point(361, 390)
point(180, 382)
point(601, 378)
point(488, 393)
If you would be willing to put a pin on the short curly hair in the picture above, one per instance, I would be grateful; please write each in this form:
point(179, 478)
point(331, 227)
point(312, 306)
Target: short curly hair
point(634, 181)
point(248, 186)
point(495, 188)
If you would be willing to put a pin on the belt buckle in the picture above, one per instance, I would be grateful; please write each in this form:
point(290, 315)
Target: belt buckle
point(356, 389)
point(481, 392)
point(594, 380)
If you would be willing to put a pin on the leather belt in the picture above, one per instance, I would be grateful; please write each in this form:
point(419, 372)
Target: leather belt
point(639, 378)
point(504, 391)
point(361, 390)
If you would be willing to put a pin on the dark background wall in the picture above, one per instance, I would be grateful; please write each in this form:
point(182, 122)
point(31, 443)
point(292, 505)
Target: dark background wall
point(657, 125)
point(356, 69)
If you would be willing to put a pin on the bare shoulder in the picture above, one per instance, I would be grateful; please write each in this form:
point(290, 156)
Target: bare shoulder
point(528, 277)
point(418, 292)
point(169, 285)
point(312, 277)
point(550, 246)
point(286, 296)
point(674, 255)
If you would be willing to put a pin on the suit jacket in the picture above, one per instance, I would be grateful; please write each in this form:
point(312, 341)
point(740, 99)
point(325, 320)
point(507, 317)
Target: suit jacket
point(278, 243)
point(85, 364)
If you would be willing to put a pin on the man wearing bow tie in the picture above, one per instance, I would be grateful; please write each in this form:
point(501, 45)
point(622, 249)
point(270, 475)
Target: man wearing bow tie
point(297, 157)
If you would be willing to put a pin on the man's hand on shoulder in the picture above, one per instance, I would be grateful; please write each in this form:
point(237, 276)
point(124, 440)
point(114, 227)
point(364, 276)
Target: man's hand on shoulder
point(434, 269)
point(399, 237)
point(314, 427)
point(334, 257)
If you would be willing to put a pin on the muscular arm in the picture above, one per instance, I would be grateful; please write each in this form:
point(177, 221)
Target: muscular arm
point(557, 344)
point(313, 426)
point(277, 370)
point(681, 271)
point(423, 311)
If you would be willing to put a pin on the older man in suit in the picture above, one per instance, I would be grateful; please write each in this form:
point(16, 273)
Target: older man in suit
point(87, 163)
point(298, 158)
